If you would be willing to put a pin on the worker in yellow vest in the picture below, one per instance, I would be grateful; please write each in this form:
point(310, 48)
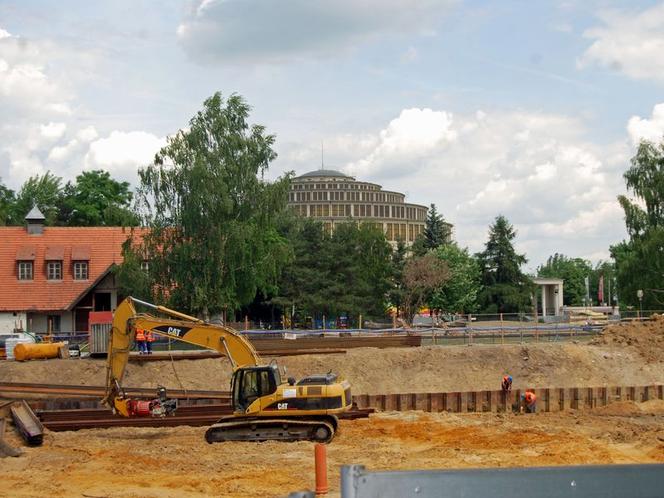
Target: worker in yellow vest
point(141, 341)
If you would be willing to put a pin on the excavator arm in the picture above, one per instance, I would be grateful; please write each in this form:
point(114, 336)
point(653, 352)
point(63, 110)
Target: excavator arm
point(180, 327)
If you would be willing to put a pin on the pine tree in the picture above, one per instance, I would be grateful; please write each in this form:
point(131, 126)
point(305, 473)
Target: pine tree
point(506, 288)
point(436, 233)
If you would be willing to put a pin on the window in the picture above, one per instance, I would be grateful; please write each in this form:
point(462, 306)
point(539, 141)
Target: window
point(54, 270)
point(25, 270)
point(81, 270)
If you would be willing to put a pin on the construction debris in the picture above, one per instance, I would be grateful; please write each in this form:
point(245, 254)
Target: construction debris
point(27, 423)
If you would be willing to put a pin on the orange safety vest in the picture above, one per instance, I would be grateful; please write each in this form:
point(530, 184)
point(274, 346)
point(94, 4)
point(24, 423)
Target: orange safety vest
point(530, 398)
point(149, 336)
point(140, 335)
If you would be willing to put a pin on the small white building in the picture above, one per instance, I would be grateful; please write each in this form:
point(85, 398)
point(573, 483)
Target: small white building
point(551, 298)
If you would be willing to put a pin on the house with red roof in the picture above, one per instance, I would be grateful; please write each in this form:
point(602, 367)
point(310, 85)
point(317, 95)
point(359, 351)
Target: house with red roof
point(51, 278)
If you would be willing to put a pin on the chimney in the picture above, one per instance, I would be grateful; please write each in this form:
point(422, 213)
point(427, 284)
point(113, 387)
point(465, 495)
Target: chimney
point(35, 220)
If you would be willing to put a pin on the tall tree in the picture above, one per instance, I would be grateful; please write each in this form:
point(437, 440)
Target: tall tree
point(6, 202)
point(506, 289)
point(459, 294)
point(640, 260)
point(213, 241)
point(573, 271)
point(43, 191)
point(331, 274)
point(96, 199)
point(436, 233)
point(397, 293)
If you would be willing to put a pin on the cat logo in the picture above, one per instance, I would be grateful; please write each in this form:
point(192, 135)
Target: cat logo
point(174, 331)
point(282, 406)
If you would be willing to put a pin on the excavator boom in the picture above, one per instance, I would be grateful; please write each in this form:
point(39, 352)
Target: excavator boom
point(264, 407)
point(185, 328)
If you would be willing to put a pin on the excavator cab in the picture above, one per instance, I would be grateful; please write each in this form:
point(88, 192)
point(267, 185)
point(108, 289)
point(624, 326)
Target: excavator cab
point(250, 383)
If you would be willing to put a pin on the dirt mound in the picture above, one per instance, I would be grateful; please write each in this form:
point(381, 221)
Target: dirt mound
point(631, 408)
point(385, 371)
point(646, 337)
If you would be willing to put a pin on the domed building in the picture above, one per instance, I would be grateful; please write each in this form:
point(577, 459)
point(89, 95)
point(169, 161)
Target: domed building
point(333, 197)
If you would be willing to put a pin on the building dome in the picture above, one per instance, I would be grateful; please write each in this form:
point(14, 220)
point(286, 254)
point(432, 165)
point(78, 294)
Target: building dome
point(334, 197)
point(324, 173)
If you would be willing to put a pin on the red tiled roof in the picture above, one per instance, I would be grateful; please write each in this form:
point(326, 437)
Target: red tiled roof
point(101, 246)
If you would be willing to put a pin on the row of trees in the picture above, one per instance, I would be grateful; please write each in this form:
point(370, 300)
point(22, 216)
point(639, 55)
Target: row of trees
point(221, 237)
point(93, 199)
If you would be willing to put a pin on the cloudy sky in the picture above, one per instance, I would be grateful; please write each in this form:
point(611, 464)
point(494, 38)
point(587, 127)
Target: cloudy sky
point(527, 109)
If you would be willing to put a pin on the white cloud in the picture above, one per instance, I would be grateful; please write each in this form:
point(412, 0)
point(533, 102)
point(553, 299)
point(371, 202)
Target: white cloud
point(53, 131)
point(4, 34)
point(87, 134)
point(647, 129)
point(629, 42)
point(250, 30)
point(414, 133)
point(122, 153)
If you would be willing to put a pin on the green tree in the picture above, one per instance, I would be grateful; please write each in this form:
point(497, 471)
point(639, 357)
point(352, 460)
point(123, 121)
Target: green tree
point(43, 191)
point(639, 262)
point(6, 202)
point(460, 292)
point(213, 240)
point(506, 289)
point(397, 293)
point(573, 271)
point(345, 272)
point(436, 233)
point(96, 199)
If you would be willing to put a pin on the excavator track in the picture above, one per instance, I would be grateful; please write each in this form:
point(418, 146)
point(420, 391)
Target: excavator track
point(319, 429)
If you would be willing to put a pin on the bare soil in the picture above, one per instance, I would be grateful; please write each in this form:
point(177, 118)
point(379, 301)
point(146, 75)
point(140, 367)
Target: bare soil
point(176, 462)
point(629, 354)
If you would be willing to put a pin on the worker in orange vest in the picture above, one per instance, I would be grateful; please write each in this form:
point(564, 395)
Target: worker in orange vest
point(141, 341)
point(529, 399)
point(149, 339)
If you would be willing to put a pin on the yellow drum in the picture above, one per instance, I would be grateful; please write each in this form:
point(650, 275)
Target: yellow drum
point(40, 351)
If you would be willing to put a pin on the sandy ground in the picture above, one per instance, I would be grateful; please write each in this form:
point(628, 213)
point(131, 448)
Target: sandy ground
point(176, 462)
point(612, 360)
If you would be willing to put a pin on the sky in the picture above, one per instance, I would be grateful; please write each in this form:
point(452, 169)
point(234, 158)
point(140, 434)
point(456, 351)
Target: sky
point(531, 110)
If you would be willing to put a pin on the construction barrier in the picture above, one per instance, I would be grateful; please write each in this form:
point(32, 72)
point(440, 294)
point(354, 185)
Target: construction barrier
point(548, 399)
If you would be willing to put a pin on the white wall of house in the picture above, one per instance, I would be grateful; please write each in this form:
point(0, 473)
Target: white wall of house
point(11, 320)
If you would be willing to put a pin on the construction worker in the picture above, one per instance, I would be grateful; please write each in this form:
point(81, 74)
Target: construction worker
point(149, 339)
point(529, 399)
point(140, 340)
point(506, 385)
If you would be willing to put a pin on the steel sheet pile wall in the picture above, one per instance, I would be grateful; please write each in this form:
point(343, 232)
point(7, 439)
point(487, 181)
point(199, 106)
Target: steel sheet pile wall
point(548, 399)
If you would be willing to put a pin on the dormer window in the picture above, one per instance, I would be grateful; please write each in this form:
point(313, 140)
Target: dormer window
point(54, 255)
point(54, 270)
point(25, 270)
point(80, 270)
point(80, 256)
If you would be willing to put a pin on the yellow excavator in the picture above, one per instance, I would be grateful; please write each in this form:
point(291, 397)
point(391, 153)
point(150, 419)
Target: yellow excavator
point(264, 406)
